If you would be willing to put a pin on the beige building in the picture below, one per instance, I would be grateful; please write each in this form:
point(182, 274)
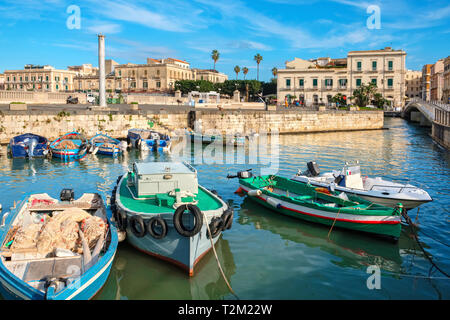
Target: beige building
point(2, 81)
point(413, 80)
point(39, 78)
point(318, 80)
point(437, 80)
point(446, 75)
point(157, 75)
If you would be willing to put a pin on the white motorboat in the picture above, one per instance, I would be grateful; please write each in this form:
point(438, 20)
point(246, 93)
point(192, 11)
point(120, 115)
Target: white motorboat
point(376, 189)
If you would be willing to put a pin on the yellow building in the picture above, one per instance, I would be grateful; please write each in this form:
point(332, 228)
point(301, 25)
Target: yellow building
point(39, 78)
point(2, 81)
point(426, 82)
point(437, 80)
point(213, 76)
point(318, 80)
point(446, 75)
point(413, 80)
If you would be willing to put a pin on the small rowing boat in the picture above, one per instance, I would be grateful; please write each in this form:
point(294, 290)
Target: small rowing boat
point(166, 213)
point(71, 146)
point(28, 145)
point(145, 139)
point(378, 190)
point(321, 205)
point(104, 144)
point(56, 249)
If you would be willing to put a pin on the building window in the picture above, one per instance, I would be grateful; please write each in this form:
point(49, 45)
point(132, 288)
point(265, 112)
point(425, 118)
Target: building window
point(157, 72)
point(288, 83)
point(374, 81)
point(158, 84)
point(14, 79)
point(390, 65)
point(47, 86)
point(57, 87)
point(314, 82)
point(120, 73)
point(46, 78)
point(358, 65)
point(328, 82)
point(390, 82)
point(342, 83)
point(26, 78)
point(374, 66)
point(67, 88)
point(358, 82)
point(301, 83)
point(145, 84)
point(20, 79)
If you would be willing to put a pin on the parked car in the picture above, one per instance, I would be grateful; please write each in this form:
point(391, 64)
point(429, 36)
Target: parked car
point(72, 100)
point(90, 98)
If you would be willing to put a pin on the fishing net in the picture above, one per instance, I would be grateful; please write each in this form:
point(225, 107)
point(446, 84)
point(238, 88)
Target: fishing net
point(67, 144)
point(26, 237)
point(93, 228)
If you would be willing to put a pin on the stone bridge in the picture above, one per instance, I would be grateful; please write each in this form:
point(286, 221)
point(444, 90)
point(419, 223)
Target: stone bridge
point(431, 114)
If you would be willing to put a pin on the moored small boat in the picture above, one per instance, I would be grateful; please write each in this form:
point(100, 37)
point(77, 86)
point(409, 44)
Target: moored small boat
point(104, 144)
point(166, 213)
point(145, 139)
point(28, 145)
point(321, 205)
point(69, 147)
point(376, 189)
point(56, 249)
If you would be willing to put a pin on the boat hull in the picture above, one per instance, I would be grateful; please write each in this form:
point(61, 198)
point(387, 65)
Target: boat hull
point(389, 226)
point(391, 202)
point(69, 154)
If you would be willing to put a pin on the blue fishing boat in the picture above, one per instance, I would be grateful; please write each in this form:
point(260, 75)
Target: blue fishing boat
point(167, 214)
point(145, 139)
point(104, 144)
point(28, 145)
point(56, 249)
point(69, 147)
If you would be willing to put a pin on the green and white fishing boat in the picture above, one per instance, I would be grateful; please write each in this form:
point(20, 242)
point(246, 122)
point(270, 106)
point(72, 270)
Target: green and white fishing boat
point(321, 205)
point(166, 213)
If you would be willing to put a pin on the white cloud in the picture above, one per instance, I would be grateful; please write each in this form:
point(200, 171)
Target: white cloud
point(105, 28)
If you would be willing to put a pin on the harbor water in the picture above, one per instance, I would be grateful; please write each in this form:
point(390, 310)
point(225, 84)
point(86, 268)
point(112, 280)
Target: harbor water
point(268, 256)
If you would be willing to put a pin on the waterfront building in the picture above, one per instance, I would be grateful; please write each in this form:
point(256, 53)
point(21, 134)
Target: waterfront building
point(2, 81)
point(210, 75)
point(318, 80)
point(426, 82)
point(85, 69)
point(446, 85)
point(39, 78)
point(413, 80)
point(437, 80)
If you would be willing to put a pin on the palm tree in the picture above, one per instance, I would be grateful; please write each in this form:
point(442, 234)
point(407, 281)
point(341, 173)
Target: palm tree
point(237, 70)
point(274, 71)
point(215, 56)
point(244, 71)
point(258, 58)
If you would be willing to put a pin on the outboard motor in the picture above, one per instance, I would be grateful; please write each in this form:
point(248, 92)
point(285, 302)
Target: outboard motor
point(242, 174)
point(67, 195)
point(313, 168)
point(31, 144)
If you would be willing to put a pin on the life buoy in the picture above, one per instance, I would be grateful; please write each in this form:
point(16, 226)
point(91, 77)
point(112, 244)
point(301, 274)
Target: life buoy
point(137, 226)
point(178, 223)
point(227, 218)
point(152, 224)
point(216, 226)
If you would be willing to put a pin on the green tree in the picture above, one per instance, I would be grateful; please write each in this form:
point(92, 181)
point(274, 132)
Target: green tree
point(274, 71)
point(215, 56)
point(379, 101)
point(258, 58)
point(339, 99)
point(364, 94)
point(244, 71)
point(237, 70)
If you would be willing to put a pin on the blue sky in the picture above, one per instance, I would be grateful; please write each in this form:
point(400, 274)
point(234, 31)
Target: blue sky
point(36, 32)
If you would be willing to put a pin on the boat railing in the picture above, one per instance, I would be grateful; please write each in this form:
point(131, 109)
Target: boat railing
point(401, 188)
point(190, 167)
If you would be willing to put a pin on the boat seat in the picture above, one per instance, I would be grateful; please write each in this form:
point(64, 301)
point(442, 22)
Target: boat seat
point(37, 269)
point(303, 198)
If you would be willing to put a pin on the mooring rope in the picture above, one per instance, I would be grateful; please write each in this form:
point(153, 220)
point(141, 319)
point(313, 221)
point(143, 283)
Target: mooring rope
point(217, 259)
point(335, 218)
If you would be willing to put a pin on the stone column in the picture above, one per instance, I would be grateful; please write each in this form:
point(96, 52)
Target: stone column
point(101, 67)
point(236, 96)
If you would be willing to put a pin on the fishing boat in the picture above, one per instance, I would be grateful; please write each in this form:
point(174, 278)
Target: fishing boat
point(234, 140)
point(376, 189)
point(69, 147)
point(28, 145)
point(167, 214)
point(145, 139)
point(104, 144)
point(56, 249)
point(320, 205)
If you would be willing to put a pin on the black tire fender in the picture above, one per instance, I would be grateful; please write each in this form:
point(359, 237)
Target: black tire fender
point(178, 223)
point(216, 226)
point(227, 218)
point(135, 221)
point(151, 227)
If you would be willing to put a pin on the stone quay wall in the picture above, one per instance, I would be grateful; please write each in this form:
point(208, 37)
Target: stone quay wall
point(52, 124)
point(35, 97)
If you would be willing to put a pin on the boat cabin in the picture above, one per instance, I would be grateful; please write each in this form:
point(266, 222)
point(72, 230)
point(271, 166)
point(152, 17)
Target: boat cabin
point(163, 177)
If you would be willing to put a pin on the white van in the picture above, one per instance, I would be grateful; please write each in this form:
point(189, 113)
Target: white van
point(90, 98)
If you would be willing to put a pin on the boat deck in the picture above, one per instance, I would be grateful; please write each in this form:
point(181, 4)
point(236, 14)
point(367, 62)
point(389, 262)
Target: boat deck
point(157, 204)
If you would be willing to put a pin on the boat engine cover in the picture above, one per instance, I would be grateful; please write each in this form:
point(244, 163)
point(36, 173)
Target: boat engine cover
point(313, 168)
point(67, 195)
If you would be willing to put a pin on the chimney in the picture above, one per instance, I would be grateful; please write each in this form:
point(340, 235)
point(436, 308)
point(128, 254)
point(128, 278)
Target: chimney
point(101, 66)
